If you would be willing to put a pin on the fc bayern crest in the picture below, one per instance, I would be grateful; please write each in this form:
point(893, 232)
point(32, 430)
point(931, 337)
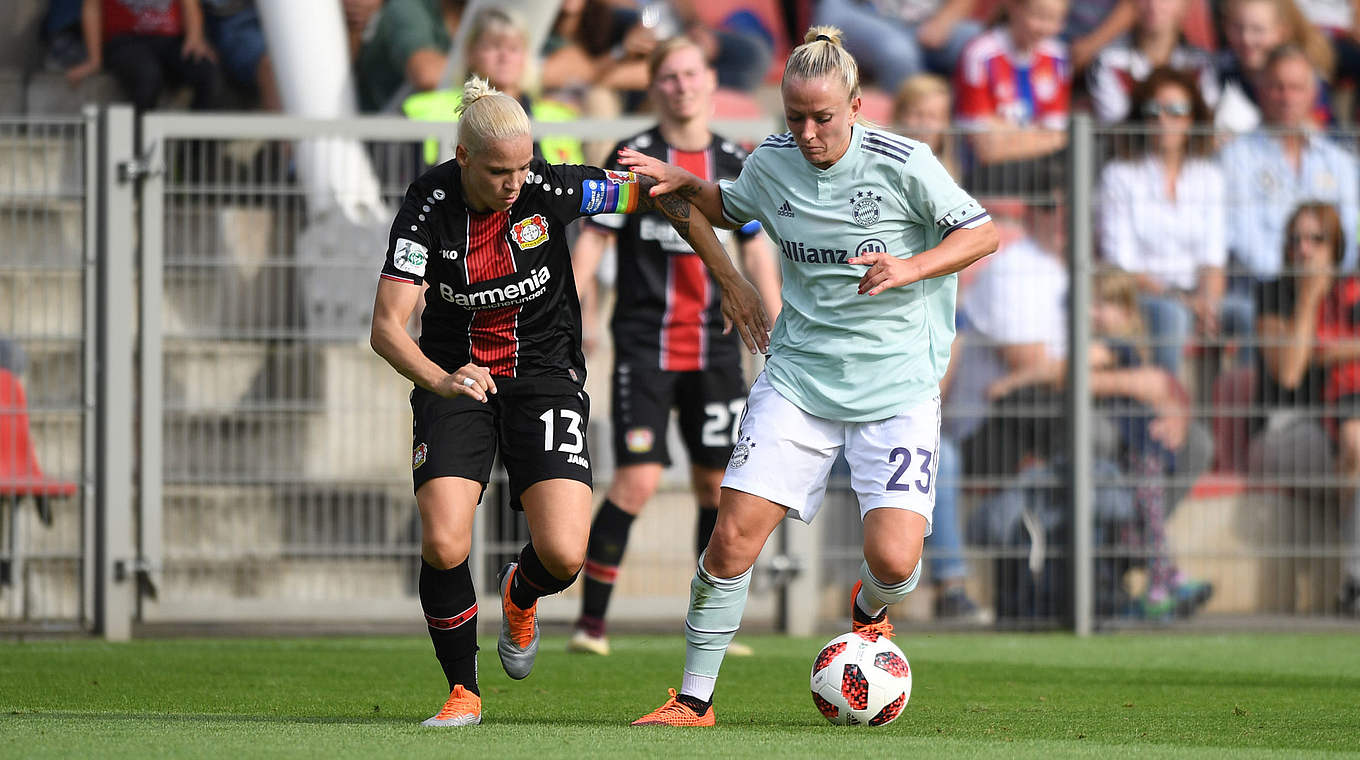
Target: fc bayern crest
point(864, 208)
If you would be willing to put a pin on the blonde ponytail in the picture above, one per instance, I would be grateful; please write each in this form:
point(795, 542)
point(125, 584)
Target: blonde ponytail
point(822, 54)
point(487, 114)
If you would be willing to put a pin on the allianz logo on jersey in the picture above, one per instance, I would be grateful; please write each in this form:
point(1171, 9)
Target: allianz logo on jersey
point(807, 254)
point(663, 234)
point(510, 294)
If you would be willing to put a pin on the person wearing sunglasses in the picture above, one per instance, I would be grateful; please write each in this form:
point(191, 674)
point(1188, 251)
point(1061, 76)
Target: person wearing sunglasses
point(1309, 324)
point(1162, 213)
point(1155, 40)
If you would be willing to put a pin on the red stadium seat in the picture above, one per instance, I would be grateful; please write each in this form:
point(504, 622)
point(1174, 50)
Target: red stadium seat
point(20, 475)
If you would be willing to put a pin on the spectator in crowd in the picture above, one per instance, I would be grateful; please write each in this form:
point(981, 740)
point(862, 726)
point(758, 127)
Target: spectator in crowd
point(406, 50)
point(147, 44)
point(358, 15)
point(1016, 361)
point(1093, 25)
point(1162, 216)
point(233, 29)
point(1156, 41)
point(896, 39)
point(1339, 20)
point(1252, 29)
point(921, 111)
point(593, 44)
point(498, 50)
point(598, 43)
point(1310, 359)
point(1271, 170)
point(1014, 89)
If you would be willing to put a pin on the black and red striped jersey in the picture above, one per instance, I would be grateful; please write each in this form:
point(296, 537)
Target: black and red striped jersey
point(668, 308)
point(501, 292)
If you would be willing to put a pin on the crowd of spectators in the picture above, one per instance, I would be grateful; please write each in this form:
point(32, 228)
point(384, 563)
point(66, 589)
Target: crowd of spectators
point(1219, 188)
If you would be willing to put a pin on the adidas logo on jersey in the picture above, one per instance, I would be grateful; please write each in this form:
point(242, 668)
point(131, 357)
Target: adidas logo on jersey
point(786, 210)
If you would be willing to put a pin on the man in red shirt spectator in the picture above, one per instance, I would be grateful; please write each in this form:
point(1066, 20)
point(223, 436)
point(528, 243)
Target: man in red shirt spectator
point(147, 43)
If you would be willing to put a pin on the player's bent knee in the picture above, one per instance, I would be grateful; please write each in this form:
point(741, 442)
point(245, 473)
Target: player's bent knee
point(444, 554)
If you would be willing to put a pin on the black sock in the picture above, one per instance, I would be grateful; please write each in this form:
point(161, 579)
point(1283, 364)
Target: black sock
point(450, 604)
point(698, 705)
point(533, 580)
point(708, 517)
point(608, 540)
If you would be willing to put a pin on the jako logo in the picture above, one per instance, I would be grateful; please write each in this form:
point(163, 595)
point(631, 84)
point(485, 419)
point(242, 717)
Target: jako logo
point(525, 290)
point(809, 255)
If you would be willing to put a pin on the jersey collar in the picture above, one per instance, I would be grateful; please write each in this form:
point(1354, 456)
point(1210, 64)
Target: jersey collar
point(842, 164)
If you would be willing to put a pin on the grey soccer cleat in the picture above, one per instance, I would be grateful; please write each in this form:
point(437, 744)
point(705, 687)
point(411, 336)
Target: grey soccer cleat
point(518, 644)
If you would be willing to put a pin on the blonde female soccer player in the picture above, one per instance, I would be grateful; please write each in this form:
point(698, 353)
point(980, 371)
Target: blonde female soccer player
point(872, 229)
point(499, 366)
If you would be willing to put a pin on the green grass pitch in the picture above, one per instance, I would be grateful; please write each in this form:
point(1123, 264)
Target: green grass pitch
point(974, 695)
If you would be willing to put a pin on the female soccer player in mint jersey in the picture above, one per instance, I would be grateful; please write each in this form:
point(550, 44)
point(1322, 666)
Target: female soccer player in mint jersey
point(499, 366)
point(872, 229)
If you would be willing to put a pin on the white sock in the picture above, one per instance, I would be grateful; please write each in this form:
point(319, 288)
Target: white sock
point(697, 686)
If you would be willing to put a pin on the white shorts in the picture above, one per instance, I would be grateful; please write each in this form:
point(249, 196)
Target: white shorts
point(785, 455)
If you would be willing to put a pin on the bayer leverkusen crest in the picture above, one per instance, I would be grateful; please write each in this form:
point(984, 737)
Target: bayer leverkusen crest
point(531, 232)
point(615, 176)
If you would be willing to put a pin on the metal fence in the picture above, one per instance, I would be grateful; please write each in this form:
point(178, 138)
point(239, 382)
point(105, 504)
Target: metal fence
point(47, 313)
point(1103, 465)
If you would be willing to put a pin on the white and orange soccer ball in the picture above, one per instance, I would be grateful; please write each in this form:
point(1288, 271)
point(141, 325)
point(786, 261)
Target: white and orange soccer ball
point(861, 680)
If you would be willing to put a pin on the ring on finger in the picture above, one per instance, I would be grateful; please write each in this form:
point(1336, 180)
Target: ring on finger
point(469, 382)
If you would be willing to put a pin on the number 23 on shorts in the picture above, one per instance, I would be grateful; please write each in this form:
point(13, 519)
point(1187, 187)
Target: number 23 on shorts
point(923, 457)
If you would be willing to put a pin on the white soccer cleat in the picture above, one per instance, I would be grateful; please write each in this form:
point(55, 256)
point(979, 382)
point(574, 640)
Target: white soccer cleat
point(582, 642)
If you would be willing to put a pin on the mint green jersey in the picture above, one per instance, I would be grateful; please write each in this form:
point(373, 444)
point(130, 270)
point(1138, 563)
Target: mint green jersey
point(834, 353)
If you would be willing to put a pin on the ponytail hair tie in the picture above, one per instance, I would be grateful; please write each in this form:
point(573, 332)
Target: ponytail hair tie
point(822, 38)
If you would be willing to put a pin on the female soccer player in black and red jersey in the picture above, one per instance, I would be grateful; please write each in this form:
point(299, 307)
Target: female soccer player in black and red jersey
point(498, 366)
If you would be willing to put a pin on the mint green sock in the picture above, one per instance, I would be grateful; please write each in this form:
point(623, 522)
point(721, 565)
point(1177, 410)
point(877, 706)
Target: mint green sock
point(715, 609)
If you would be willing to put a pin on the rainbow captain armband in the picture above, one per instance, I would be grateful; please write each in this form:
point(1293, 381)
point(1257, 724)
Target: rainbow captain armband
point(617, 193)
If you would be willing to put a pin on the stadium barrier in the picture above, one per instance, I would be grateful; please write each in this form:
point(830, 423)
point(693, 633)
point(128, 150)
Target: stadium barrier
point(48, 320)
point(251, 467)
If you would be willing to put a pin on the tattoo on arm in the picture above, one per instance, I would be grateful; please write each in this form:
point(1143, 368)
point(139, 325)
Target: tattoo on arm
point(676, 209)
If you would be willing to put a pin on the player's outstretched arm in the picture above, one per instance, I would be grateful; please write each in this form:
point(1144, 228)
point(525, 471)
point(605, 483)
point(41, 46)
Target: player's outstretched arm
point(672, 179)
point(741, 305)
point(954, 254)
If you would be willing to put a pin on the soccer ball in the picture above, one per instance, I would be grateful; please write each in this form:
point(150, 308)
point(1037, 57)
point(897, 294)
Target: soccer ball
point(861, 680)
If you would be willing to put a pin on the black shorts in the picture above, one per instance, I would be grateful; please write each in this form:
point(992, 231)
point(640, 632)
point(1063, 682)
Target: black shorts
point(710, 402)
point(537, 424)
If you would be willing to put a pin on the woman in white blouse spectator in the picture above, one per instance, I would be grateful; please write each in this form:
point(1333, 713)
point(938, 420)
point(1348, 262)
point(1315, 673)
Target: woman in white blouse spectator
point(1162, 214)
point(1156, 40)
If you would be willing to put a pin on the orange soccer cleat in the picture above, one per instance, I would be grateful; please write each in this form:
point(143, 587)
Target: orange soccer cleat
point(879, 626)
point(462, 709)
point(676, 713)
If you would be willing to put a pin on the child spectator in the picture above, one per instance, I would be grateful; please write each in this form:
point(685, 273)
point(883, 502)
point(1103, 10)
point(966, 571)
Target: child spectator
point(1156, 41)
point(896, 39)
point(921, 111)
point(147, 44)
point(1014, 88)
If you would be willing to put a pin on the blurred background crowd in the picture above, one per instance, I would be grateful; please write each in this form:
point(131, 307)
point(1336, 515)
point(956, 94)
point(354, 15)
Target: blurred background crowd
point(1226, 308)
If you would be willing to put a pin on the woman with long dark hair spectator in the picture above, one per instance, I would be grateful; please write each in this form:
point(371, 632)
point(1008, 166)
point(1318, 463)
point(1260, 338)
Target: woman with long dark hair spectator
point(1162, 214)
point(1156, 40)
